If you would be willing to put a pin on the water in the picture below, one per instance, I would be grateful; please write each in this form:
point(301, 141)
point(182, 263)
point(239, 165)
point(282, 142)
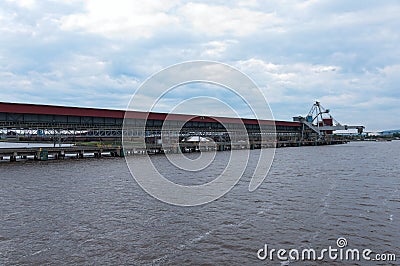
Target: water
point(92, 212)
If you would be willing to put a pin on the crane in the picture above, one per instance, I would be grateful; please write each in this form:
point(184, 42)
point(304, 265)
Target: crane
point(321, 121)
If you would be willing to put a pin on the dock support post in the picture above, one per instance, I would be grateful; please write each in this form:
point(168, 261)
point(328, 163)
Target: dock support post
point(37, 156)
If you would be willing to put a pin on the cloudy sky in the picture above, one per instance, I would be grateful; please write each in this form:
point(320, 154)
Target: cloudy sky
point(96, 53)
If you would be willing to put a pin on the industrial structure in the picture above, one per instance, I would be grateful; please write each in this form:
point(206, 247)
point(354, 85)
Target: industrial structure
point(320, 121)
point(58, 124)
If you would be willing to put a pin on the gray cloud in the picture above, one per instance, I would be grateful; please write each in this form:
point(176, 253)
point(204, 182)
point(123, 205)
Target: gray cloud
point(94, 53)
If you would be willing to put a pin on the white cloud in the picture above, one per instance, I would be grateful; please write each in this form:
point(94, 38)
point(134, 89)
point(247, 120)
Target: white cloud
point(127, 19)
point(225, 20)
point(216, 49)
point(296, 76)
point(23, 3)
point(122, 18)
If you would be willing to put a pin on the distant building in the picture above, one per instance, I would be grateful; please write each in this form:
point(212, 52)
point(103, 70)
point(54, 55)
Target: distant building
point(374, 134)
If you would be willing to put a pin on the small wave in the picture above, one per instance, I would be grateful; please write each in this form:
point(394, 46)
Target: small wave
point(40, 251)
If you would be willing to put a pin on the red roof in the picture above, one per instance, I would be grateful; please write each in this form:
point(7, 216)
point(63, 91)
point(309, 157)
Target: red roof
point(22, 108)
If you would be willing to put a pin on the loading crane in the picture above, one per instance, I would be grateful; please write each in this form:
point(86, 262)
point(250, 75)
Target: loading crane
point(320, 121)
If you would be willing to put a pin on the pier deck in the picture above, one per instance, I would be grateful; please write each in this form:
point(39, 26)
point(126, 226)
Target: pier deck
point(45, 153)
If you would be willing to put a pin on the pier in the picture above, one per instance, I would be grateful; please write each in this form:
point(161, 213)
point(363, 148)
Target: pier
point(45, 153)
point(81, 152)
point(148, 132)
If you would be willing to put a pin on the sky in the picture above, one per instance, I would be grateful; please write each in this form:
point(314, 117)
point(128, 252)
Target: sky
point(94, 53)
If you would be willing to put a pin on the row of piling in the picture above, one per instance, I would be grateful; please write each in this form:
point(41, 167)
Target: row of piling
point(79, 152)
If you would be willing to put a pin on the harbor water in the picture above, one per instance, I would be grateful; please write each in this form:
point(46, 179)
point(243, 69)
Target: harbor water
point(92, 211)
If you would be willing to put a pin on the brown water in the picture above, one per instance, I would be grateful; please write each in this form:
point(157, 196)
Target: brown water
point(91, 211)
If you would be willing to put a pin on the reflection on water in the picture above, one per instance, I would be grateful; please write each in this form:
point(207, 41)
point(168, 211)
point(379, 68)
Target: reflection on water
point(92, 211)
